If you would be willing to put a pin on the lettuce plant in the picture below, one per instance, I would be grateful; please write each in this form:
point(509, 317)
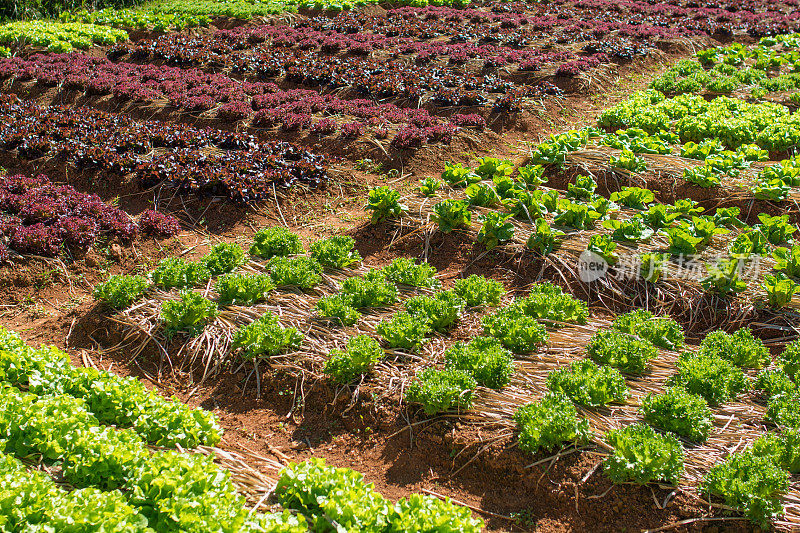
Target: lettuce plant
point(651, 266)
point(301, 272)
point(439, 391)
point(265, 337)
point(783, 448)
point(459, 176)
point(661, 331)
point(548, 301)
point(274, 242)
point(496, 229)
point(774, 381)
point(789, 360)
point(633, 197)
point(440, 311)
point(362, 354)
point(543, 239)
point(621, 350)
point(429, 186)
point(177, 272)
point(602, 246)
point(339, 308)
point(712, 377)
point(518, 332)
point(451, 214)
point(482, 195)
point(680, 412)
point(776, 229)
point(189, 314)
point(549, 423)
point(370, 290)
point(121, 291)
point(404, 331)
point(478, 290)
point(404, 271)
point(642, 456)
point(485, 358)
point(586, 383)
point(787, 260)
point(780, 289)
point(384, 204)
point(223, 258)
point(243, 289)
point(335, 252)
point(740, 348)
point(749, 482)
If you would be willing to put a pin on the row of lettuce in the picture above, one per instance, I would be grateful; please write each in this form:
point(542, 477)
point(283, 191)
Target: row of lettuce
point(71, 25)
point(513, 207)
point(427, 310)
point(97, 429)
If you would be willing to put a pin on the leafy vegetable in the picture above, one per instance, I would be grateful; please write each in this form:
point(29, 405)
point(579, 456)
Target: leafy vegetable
point(780, 289)
point(482, 195)
point(651, 266)
point(362, 353)
point(404, 331)
point(404, 271)
point(740, 348)
point(496, 230)
point(549, 423)
point(544, 238)
point(725, 277)
point(176, 272)
point(754, 484)
point(586, 383)
point(335, 252)
point(641, 455)
point(243, 289)
point(189, 314)
point(631, 230)
point(679, 412)
point(429, 186)
point(621, 350)
point(489, 167)
point(121, 291)
point(712, 377)
point(442, 390)
point(789, 360)
point(265, 337)
point(634, 197)
point(485, 358)
point(223, 258)
point(275, 241)
point(301, 272)
point(517, 331)
point(385, 204)
point(776, 229)
point(783, 448)
point(477, 290)
point(459, 176)
point(661, 331)
point(602, 246)
point(439, 311)
point(788, 261)
point(451, 214)
point(774, 381)
point(549, 301)
point(338, 307)
point(370, 290)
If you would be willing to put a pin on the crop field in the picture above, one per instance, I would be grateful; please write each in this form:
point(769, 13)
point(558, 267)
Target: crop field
point(418, 266)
